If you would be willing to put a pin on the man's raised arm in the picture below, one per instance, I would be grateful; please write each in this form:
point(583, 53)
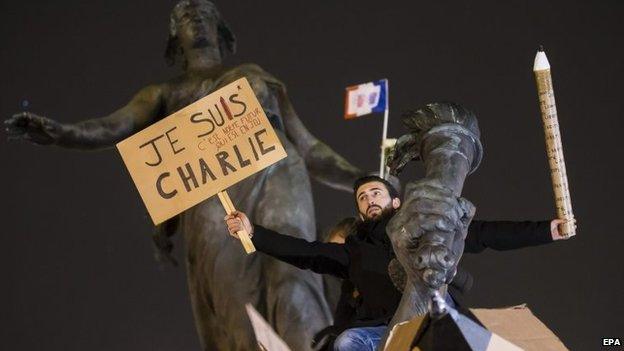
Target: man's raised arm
point(319, 257)
point(91, 134)
point(510, 235)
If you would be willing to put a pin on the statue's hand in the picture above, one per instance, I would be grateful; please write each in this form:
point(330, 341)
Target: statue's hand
point(405, 150)
point(430, 207)
point(428, 231)
point(36, 129)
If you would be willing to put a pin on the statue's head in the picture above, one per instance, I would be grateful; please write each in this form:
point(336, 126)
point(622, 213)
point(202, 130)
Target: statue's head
point(197, 24)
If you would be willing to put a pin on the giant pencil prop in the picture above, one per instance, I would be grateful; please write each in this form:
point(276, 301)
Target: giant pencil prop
point(554, 146)
point(428, 232)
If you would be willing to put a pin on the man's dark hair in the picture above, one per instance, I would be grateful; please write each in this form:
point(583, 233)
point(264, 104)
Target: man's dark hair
point(373, 178)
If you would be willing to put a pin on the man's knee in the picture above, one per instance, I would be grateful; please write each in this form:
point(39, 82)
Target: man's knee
point(353, 339)
point(349, 340)
point(366, 338)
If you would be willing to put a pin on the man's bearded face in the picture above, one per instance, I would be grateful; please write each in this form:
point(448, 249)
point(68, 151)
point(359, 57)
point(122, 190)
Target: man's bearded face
point(374, 200)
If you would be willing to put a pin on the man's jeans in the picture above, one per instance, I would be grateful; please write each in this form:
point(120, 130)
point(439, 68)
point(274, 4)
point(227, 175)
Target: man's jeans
point(368, 338)
point(360, 339)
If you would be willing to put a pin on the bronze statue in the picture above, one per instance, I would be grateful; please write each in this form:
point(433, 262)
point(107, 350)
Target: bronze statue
point(428, 232)
point(221, 277)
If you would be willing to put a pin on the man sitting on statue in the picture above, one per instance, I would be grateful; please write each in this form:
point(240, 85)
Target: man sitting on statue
point(343, 297)
point(364, 257)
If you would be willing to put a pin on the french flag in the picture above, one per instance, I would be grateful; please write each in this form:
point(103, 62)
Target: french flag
point(366, 98)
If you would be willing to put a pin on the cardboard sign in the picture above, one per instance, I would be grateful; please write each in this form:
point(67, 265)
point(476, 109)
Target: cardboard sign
point(520, 326)
point(200, 150)
point(265, 335)
point(512, 328)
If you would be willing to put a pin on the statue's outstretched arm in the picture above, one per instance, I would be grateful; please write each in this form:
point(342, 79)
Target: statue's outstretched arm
point(324, 164)
point(91, 134)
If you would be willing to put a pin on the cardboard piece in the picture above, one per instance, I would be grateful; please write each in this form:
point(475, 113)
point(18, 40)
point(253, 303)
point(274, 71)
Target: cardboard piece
point(520, 326)
point(402, 334)
point(200, 150)
point(265, 335)
point(451, 332)
point(512, 328)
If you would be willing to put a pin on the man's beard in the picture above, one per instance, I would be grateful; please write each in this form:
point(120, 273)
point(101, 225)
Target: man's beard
point(386, 213)
point(374, 228)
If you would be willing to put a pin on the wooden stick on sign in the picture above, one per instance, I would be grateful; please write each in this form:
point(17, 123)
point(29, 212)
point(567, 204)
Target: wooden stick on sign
point(242, 235)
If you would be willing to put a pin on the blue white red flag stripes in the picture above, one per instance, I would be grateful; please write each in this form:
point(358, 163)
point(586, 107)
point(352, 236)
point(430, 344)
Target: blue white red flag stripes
point(366, 98)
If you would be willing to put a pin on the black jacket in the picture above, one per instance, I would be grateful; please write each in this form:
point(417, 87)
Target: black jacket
point(506, 235)
point(363, 259)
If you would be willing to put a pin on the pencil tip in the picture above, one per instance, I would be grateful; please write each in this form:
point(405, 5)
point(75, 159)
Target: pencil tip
point(541, 61)
point(541, 48)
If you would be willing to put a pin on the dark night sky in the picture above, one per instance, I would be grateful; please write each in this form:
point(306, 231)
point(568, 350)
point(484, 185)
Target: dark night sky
point(76, 259)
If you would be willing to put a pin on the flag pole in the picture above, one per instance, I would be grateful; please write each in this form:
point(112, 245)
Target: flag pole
point(384, 133)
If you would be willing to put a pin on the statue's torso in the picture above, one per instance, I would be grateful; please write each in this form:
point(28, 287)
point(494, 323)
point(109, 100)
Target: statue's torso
point(192, 86)
point(221, 277)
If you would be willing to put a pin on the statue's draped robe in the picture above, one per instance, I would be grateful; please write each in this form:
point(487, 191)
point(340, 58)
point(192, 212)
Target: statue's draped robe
point(221, 277)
